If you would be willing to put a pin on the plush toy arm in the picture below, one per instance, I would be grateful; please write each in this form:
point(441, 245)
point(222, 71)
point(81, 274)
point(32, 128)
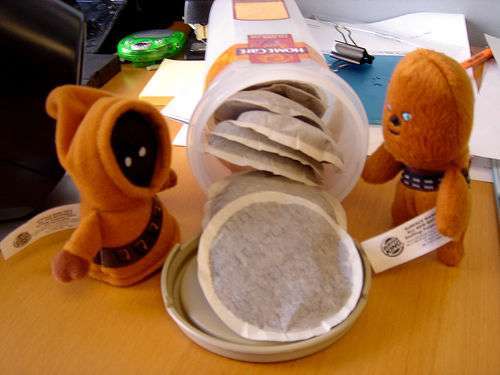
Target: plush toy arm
point(381, 167)
point(171, 182)
point(72, 262)
point(453, 204)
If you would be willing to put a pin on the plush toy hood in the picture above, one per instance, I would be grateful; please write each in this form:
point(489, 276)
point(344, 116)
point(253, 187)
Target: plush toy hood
point(85, 120)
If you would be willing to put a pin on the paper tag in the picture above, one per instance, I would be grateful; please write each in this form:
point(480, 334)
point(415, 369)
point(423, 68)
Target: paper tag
point(408, 241)
point(48, 222)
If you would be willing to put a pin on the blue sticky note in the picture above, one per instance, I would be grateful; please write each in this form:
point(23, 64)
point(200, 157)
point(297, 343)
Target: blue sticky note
point(369, 81)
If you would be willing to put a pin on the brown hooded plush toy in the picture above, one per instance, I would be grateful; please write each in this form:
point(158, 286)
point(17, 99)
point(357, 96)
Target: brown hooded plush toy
point(427, 124)
point(118, 153)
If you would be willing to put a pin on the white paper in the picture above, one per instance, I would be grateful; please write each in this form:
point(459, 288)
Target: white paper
point(408, 241)
point(181, 107)
point(485, 140)
point(494, 44)
point(187, 89)
point(174, 78)
point(48, 222)
point(181, 137)
point(480, 169)
point(446, 33)
point(375, 138)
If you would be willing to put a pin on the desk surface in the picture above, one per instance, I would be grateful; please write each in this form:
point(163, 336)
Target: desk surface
point(421, 317)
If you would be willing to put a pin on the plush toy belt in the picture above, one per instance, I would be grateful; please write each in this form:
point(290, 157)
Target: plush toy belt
point(426, 180)
point(114, 257)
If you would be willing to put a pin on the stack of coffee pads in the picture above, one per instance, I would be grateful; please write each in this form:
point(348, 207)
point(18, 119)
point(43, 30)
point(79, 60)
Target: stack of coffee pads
point(275, 128)
point(274, 261)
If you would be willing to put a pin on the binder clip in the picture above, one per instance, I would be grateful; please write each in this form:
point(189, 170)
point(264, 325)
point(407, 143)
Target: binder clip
point(350, 52)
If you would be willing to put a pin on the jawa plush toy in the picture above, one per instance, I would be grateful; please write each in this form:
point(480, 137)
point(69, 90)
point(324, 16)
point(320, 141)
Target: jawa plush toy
point(427, 123)
point(118, 153)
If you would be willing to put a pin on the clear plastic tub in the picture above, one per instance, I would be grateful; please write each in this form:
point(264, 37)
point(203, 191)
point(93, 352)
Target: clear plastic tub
point(282, 50)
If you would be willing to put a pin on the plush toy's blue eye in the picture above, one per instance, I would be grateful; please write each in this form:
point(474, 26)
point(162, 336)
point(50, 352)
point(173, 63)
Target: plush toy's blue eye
point(406, 116)
point(389, 107)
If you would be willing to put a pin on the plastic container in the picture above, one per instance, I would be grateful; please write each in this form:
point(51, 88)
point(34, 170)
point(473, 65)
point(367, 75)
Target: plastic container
point(250, 45)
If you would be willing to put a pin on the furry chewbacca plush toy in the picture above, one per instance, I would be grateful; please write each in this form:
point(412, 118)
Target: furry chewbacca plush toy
point(118, 153)
point(427, 123)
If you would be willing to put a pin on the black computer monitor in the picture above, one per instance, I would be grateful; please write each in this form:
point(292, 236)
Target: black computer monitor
point(41, 44)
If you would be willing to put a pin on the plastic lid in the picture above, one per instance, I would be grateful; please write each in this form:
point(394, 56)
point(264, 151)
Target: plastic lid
point(186, 304)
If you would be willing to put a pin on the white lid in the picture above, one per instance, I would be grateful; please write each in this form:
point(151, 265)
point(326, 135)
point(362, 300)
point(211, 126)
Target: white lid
point(186, 304)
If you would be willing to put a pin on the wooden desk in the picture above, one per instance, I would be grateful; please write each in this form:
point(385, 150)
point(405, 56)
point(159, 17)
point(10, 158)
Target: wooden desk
point(421, 318)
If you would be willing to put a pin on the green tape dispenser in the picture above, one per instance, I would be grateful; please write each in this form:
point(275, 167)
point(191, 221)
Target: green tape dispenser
point(149, 47)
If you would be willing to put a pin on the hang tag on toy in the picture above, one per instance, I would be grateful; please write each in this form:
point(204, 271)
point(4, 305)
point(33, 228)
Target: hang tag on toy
point(53, 220)
point(408, 241)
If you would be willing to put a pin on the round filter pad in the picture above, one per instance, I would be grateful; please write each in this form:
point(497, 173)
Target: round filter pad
point(188, 307)
point(276, 267)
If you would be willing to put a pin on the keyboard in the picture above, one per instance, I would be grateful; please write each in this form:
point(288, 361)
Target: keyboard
point(100, 16)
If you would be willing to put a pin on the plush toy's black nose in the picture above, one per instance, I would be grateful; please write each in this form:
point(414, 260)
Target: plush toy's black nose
point(395, 120)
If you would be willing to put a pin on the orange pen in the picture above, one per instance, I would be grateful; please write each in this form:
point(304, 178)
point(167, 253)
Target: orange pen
point(478, 58)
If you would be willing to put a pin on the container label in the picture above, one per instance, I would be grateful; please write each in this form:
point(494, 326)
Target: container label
point(259, 10)
point(408, 241)
point(272, 48)
point(48, 222)
point(264, 49)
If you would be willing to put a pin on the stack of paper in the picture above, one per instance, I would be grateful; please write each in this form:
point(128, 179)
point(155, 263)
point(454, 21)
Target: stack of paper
point(175, 79)
point(446, 33)
point(180, 84)
point(485, 139)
